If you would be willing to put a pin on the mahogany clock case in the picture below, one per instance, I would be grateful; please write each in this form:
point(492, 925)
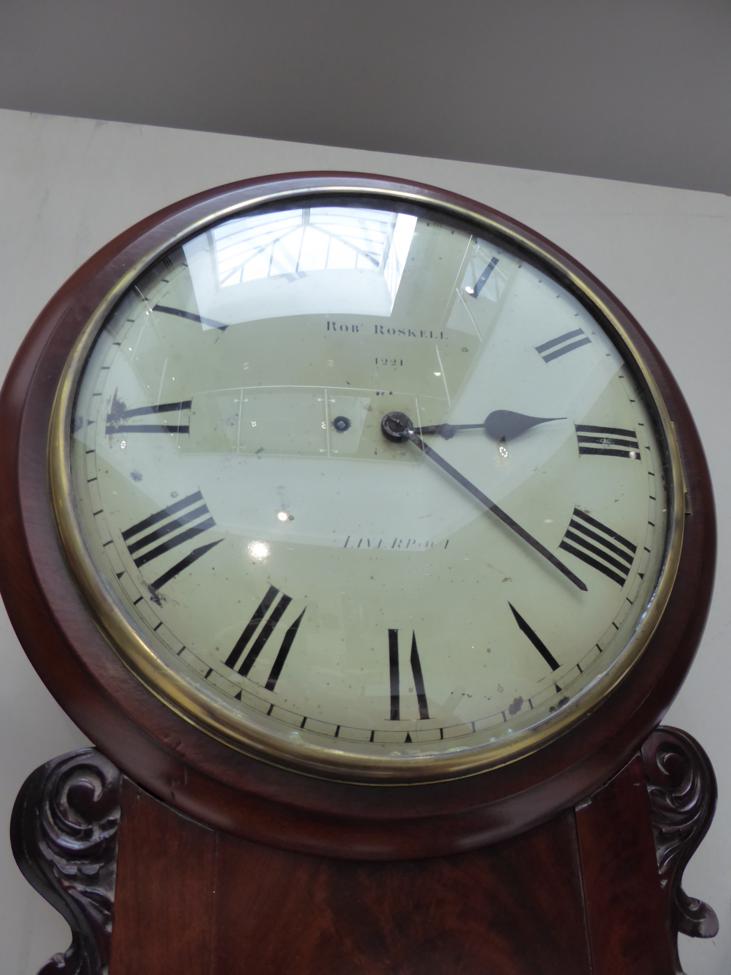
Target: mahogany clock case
point(225, 788)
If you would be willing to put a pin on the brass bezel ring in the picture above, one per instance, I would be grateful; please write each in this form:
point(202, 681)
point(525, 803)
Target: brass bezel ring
point(207, 713)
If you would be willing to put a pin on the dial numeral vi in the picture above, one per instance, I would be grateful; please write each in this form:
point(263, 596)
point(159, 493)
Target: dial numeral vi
point(395, 677)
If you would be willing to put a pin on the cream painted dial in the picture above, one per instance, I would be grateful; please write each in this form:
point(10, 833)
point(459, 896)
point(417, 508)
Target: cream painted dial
point(313, 592)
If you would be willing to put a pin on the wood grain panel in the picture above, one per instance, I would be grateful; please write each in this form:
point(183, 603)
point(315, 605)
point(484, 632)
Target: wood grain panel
point(625, 908)
point(163, 910)
point(190, 901)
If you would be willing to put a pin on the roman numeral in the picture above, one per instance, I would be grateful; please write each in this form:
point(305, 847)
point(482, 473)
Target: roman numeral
point(395, 679)
point(562, 344)
point(599, 546)
point(480, 283)
point(607, 441)
point(191, 316)
point(266, 627)
point(118, 417)
point(534, 639)
point(161, 532)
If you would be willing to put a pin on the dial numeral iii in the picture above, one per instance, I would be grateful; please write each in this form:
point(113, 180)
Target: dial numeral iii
point(243, 666)
point(555, 348)
point(118, 418)
point(607, 441)
point(599, 546)
point(159, 533)
point(395, 677)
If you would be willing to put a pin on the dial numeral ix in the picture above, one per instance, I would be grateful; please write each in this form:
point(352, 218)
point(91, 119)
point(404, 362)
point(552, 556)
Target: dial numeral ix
point(562, 344)
point(118, 417)
point(395, 677)
point(157, 534)
point(243, 666)
point(607, 441)
point(599, 546)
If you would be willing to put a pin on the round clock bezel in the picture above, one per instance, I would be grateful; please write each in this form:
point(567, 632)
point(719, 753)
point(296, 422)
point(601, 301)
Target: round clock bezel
point(273, 744)
point(226, 788)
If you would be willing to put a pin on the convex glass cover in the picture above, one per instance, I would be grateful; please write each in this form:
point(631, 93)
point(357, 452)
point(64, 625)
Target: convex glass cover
point(366, 485)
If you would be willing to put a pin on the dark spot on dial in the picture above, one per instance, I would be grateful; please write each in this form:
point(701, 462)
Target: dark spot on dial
point(516, 706)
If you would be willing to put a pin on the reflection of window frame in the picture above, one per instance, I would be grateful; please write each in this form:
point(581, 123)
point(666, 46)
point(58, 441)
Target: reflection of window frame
point(366, 235)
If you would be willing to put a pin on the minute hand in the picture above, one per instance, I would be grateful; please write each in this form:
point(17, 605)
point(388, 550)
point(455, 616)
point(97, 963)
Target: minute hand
point(495, 509)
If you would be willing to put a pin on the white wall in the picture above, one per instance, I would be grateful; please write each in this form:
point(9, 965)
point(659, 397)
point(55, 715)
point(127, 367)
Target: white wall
point(69, 185)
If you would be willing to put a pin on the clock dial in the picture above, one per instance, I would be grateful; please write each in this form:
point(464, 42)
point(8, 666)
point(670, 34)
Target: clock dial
point(362, 488)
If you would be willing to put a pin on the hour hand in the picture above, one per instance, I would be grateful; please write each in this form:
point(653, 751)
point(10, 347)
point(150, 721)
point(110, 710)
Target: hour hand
point(498, 425)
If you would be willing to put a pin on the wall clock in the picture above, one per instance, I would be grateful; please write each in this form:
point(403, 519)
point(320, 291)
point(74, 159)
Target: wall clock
point(356, 522)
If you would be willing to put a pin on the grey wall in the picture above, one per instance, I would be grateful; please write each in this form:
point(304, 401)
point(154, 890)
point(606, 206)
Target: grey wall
point(613, 88)
point(69, 185)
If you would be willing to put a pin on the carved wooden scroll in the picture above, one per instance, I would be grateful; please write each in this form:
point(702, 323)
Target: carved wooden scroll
point(64, 837)
point(682, 790)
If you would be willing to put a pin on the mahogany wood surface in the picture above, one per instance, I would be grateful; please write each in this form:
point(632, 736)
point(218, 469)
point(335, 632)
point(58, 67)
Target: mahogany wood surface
point(238, 793)
point(626, 912)
point(164, 915)
point(232, 907)
point(582, 893)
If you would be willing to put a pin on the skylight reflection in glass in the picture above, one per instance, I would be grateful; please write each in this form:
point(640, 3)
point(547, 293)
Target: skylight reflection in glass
point(294, 242)
point(320, 260)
